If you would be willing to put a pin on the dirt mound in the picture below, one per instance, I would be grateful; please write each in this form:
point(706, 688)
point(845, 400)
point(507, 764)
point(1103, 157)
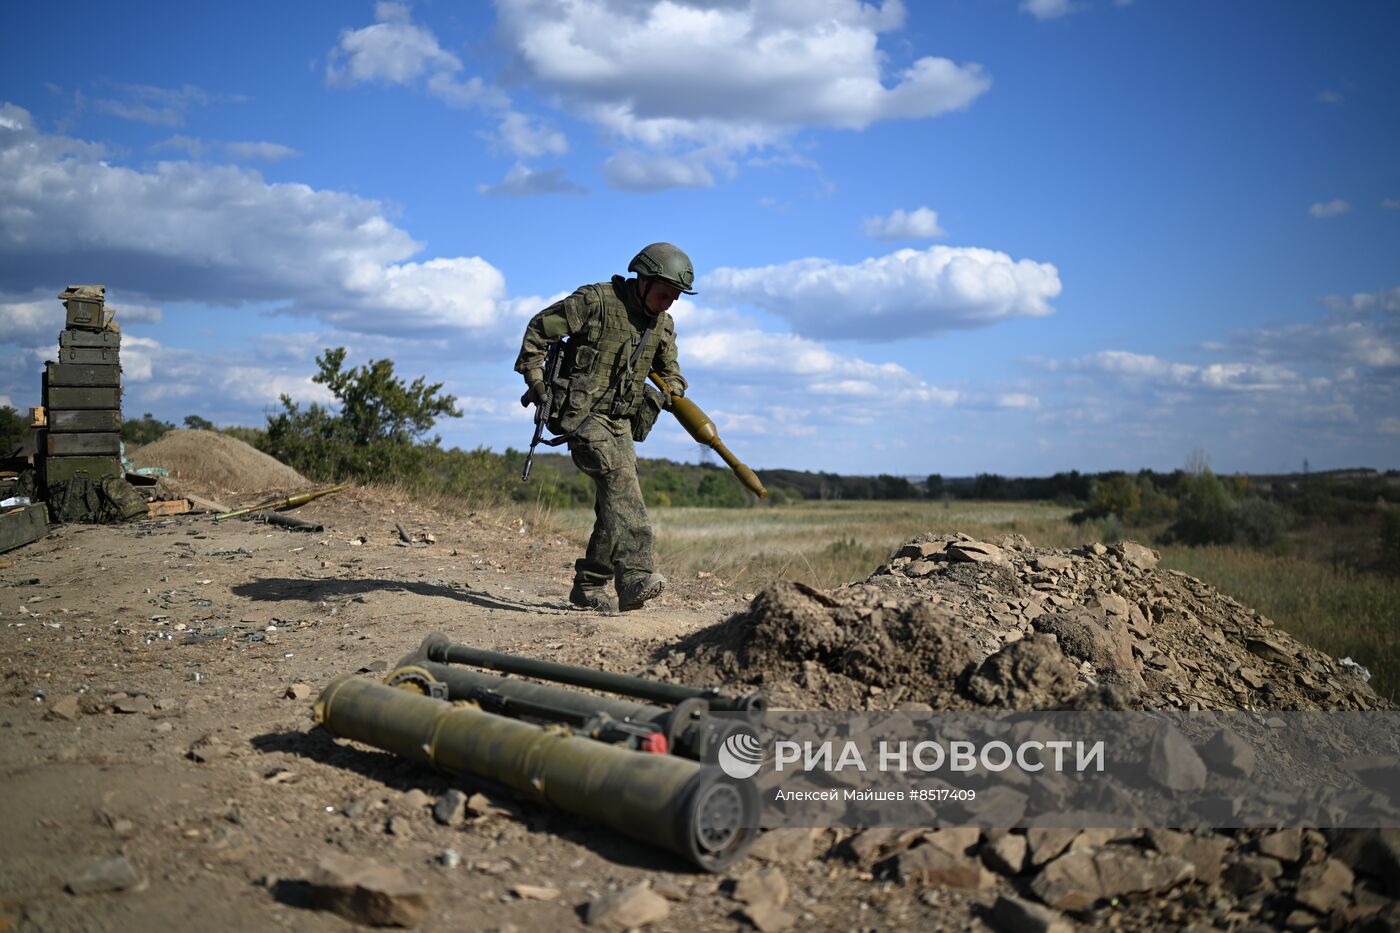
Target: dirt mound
point(955, 623)
point(212, 464)
point(951, 623)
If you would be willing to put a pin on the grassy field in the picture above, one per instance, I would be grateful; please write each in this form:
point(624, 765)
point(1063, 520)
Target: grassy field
point(830, 543)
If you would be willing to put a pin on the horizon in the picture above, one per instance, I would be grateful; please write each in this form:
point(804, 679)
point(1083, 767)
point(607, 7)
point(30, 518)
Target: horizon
point(1016, 237)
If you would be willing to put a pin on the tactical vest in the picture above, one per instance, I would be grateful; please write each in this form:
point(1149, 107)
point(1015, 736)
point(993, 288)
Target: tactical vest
point(594, 377)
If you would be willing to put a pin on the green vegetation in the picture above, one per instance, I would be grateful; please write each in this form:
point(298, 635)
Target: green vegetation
point(379, 431)
point(14, 429)
point(144, 430)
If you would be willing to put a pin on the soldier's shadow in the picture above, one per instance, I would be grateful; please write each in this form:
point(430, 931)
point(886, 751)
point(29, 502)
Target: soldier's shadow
point(316, 744)
point(284, 589)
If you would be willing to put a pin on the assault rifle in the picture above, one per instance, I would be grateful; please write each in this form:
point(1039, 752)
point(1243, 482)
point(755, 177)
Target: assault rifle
point(552, 360)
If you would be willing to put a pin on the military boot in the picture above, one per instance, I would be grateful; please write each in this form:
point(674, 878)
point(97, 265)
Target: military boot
point(639, 591)
point(590, 597)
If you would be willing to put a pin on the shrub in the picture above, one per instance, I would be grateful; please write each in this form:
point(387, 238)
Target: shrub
point(1205, 511)
point(144, 430)
point(1261, 524)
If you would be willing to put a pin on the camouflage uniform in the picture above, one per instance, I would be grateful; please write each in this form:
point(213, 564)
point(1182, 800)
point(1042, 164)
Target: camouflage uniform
point(597, 395)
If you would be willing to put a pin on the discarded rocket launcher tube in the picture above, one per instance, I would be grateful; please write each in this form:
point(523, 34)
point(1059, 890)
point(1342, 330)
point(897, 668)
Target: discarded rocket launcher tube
point(437, 647)
point(688, 728)
point(700, 427)
point(691, 809)
point(290, 502)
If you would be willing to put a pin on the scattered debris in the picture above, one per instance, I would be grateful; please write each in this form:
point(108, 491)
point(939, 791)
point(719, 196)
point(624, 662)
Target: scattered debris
point(106, 876)
point(628, 909)
point(366, 892)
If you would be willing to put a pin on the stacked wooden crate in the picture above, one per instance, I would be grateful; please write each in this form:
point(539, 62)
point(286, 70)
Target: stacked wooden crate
point(82, 392)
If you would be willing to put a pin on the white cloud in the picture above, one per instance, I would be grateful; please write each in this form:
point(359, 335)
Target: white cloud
point(156, 105)
point(751, 66)
point(1232, 376)
point(918, 224)
point(192, 146)
point(1329, 96)
point(30, 320)
point(1018, 400)
point(630, 170)
point(908, 293)
point(751, 73)
point(259, 151)
point(1046, 9)
point(394, 50)
point(197, 148)
point(528, 136)
point(522, 181)
point(843, 388)
point(1391, 204)
point(1325, 210)
point(223, 235)
point(1387, 300)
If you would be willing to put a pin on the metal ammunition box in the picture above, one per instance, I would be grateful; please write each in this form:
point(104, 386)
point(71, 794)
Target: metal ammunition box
point(59, 398)
point(84, 422)
point(83, 374)
point(107, 355)
point(23, 525)
point(83, 445)
point(89, 338)
point(87, 315)
point(59, 469)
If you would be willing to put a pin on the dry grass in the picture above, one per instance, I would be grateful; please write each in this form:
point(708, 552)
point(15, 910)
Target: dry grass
point(825, 543)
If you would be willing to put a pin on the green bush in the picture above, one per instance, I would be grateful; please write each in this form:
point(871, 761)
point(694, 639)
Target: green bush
point(379, 431)
point(14, 429)
point(139, 431)
point(1261, 524)
point(1205, 511)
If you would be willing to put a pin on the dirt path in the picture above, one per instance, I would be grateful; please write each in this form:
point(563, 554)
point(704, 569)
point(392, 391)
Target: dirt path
point(169, 631)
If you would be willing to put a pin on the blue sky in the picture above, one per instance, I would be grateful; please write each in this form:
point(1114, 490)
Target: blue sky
point(1014, 236)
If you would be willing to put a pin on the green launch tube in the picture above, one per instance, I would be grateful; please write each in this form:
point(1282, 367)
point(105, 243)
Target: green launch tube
point(689, 728)
point(693, 810)
point(437, 647)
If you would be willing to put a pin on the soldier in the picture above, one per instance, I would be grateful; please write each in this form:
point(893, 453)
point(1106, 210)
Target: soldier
point(617, 332)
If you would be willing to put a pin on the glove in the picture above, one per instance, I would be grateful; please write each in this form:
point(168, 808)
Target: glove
point(538, 393)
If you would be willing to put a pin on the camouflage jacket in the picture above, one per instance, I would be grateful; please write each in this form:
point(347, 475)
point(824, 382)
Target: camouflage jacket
point(603, 323)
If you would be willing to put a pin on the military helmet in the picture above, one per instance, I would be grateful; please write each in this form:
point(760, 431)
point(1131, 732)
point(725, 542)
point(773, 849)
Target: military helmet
point(667, 263)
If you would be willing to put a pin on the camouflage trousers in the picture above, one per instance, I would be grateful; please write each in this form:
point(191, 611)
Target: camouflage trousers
point(620, 548)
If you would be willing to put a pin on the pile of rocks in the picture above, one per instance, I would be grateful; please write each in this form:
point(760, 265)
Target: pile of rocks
point(952, 623)
point(956, 623)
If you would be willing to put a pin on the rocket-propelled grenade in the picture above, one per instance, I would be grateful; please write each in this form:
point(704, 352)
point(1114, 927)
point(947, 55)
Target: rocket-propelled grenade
point(700, 427)
point(689, 808)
